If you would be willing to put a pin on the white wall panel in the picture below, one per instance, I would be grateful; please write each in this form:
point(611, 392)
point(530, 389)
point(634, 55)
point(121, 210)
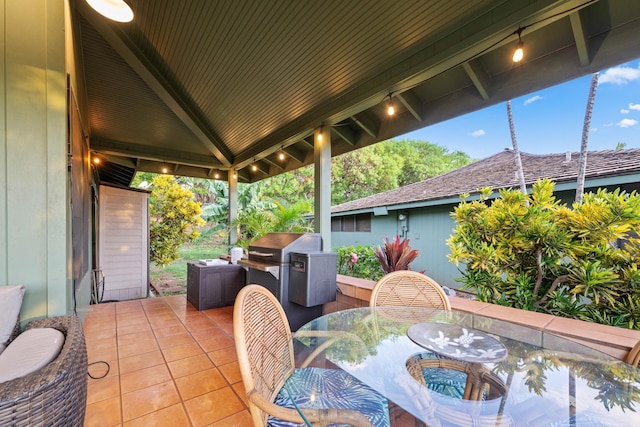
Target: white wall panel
point(124, 243)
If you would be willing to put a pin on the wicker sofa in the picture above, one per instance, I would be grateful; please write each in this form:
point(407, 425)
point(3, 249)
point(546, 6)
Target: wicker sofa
point(55, 395)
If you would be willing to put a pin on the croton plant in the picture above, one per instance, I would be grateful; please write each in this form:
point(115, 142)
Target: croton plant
point(395, 254)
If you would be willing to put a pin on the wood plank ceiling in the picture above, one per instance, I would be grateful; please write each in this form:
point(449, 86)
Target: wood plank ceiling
point(204, 87)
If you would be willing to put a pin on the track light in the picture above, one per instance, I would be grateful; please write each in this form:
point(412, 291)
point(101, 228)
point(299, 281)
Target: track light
point(116, 10)
point(391, 108)
point(518, 54)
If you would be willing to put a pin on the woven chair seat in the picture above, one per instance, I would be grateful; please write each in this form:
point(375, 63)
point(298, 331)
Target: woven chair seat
point(445, 381)
point(339, 390)
point(451, 377)
point(55, 395)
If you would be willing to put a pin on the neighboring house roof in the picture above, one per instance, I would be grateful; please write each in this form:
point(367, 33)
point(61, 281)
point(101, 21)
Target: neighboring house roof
point(499, 171)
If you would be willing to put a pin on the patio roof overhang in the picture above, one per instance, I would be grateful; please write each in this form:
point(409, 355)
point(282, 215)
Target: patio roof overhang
point(206, 87)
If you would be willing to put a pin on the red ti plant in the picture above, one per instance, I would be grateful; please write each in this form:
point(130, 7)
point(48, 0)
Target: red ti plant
point(395, 255)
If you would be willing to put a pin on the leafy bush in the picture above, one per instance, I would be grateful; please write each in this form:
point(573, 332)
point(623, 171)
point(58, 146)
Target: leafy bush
point(579, 262)
point(395, 255)
point(255, 223)
point(363, 265)
point(173, 216)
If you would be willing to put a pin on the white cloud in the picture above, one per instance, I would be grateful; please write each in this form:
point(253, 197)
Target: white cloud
point(624, 111)
point(532, 99)
point(593, 130)
point(627, 123)
point(634, 107)
point(478, 132)
point(620, 75)
point(608, 125)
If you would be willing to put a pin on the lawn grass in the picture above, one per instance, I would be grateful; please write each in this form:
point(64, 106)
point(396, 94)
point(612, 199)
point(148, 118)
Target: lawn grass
point(175, 273)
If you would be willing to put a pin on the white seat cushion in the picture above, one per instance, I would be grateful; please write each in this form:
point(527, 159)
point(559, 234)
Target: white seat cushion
point(30, 351)
point(10, 303)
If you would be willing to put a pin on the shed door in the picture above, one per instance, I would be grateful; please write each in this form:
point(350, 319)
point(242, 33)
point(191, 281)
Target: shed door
point(124, 243)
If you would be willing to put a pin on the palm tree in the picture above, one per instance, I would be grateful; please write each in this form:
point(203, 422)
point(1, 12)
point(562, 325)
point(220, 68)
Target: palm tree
point(516, 151)
point(582, 163)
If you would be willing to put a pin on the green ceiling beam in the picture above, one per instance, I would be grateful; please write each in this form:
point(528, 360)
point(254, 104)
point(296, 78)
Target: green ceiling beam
point(579, 34)
point(412, 103)
point(156, 81)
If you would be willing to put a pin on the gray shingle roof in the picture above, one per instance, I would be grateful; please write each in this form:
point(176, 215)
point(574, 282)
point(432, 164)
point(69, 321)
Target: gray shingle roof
point(499, 171)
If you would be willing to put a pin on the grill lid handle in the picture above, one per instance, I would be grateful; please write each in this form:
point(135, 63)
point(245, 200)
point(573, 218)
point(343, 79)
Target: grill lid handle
point(261, 254)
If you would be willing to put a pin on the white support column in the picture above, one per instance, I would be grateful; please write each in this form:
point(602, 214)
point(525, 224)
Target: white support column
point(233, 205)
point(322, 182)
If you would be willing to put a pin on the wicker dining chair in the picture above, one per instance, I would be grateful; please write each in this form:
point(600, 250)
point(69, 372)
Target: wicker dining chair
point(481, 384)
point(410, 289)
point(633, 358)
point(265, 357)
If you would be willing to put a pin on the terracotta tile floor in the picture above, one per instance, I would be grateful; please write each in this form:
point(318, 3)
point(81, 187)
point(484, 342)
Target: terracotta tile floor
point(170, 365)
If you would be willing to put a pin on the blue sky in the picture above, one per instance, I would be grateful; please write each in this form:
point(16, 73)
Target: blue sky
point(550, 120)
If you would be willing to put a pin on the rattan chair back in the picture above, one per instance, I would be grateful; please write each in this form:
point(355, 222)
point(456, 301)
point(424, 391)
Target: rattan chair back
point(265, 357)
point(633, 358)
point(263, 345)
point(409, 289)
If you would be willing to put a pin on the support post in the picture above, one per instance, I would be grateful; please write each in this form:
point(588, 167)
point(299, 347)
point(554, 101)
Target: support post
point(233, 206)
point(322, 185)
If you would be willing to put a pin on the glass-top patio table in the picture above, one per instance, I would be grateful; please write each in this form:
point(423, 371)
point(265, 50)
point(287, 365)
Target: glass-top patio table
point(455, 368)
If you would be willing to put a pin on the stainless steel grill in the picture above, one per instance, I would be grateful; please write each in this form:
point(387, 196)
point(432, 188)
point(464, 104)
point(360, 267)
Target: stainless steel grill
point(268, 265)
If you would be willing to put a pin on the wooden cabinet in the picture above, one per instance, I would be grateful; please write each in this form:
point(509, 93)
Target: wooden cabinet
point(210, 286)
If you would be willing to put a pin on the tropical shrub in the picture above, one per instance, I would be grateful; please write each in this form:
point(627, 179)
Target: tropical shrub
point(173, 217)
point(358, 261)
point(255, 223)
point(395, 255)
point(579, 262)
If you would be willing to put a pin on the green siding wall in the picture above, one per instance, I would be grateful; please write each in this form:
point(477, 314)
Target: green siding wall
point(429, 229)
point(34, 227)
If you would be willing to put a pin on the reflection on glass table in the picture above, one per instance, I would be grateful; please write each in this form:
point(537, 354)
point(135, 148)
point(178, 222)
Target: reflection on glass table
point(540, 380)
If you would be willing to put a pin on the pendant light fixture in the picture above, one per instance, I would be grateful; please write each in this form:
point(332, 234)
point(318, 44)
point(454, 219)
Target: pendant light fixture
point(391, 108)
point(281, 154)
point(116, 10)
point(518, 54)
